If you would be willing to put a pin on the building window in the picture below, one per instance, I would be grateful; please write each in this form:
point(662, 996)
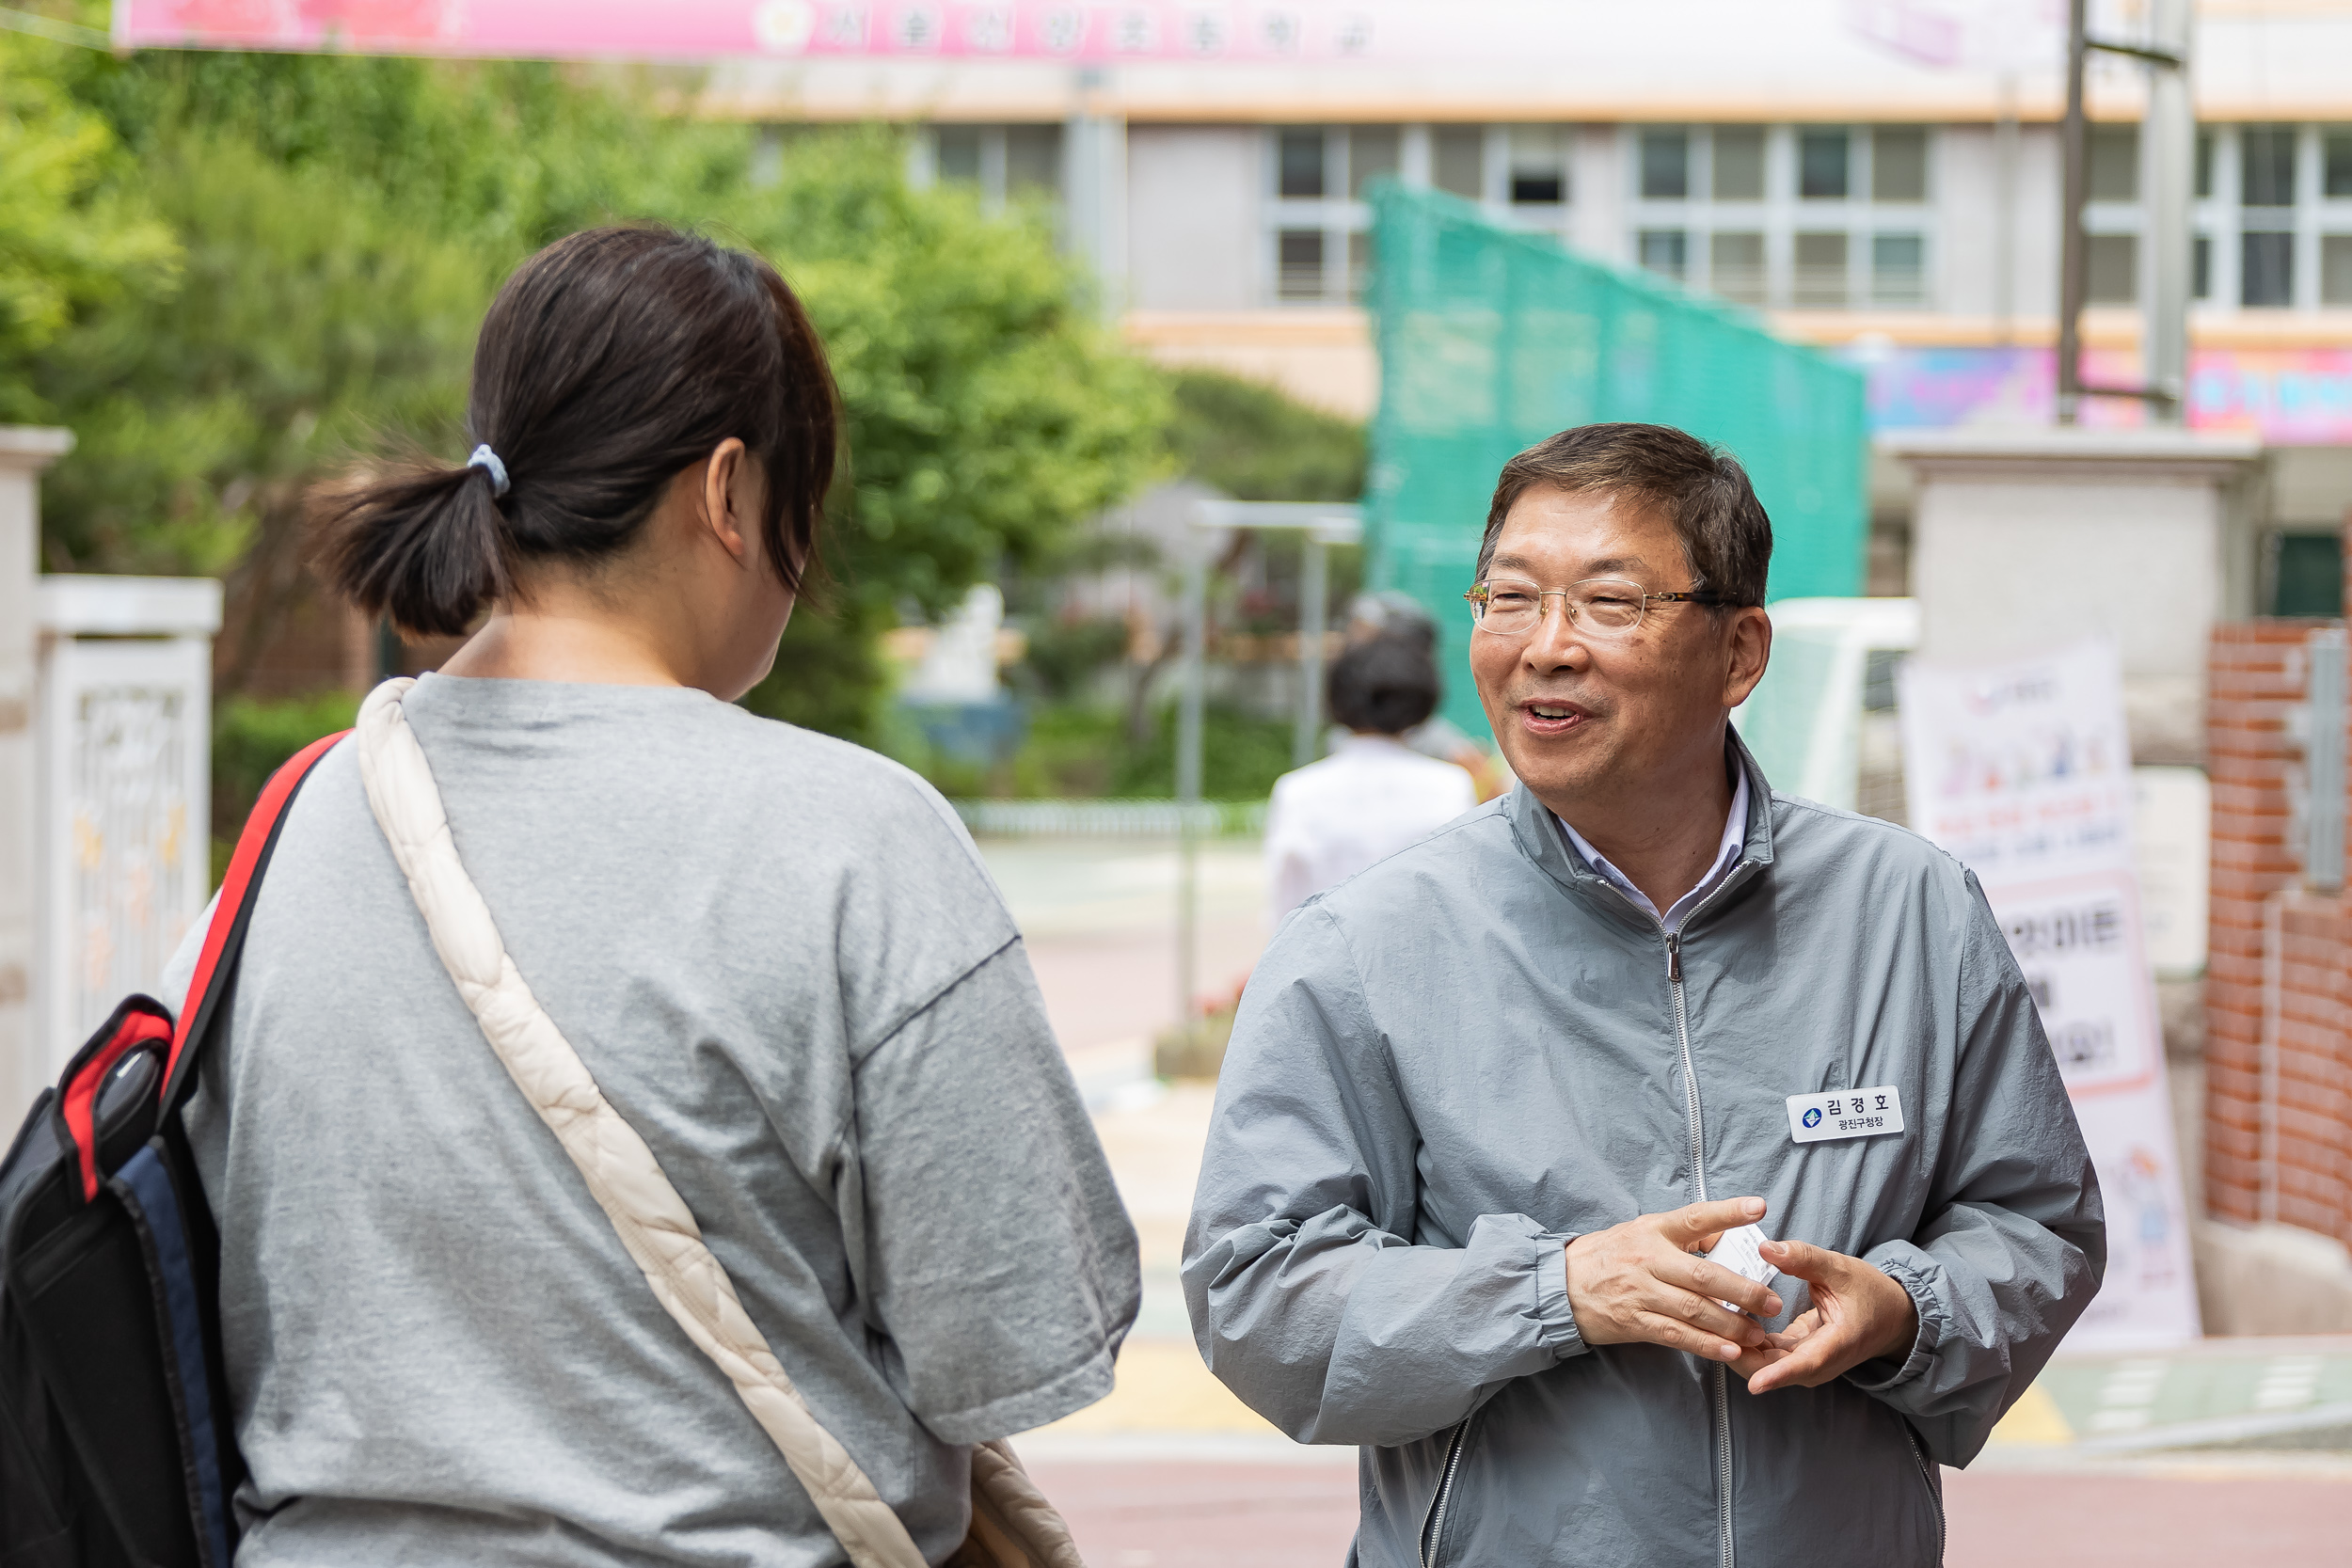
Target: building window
point(2267, 269)
point(1298, 264)
point(2306, 575)
point(959, 156)
point(2266, 167)
point(1666, 251)
point(1358, 266)
point(1898, 163)
point(1373, 153)
point(1457, 160)
point(1002, 161)
point(1032, 159)
point(1787, 217)
point(1739, 162)
point(1299, 165)
point(1822, 157)
point(2201, 267)
point(1821, 271)
point(2111, 273)
point(2204, 165)
point(1735, 264)
point(2336, 165)
point(1539, 166)
point(2335, 269)
point(2113, 159)
point(1898, 270)
point(1665, 166)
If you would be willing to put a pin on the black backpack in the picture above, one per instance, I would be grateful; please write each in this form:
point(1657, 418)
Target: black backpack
point(117, 1444)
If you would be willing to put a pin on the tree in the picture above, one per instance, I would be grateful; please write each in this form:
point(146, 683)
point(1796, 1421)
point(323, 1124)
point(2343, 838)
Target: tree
point(1257, 443)
point(74, 233)
point(344, 221)
point(989, 414)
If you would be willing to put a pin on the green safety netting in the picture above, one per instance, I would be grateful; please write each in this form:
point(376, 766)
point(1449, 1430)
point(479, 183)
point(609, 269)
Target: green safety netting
point(1490, 340)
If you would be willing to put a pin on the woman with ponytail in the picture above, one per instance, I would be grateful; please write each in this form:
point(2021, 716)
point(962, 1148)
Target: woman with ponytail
point(777, 955)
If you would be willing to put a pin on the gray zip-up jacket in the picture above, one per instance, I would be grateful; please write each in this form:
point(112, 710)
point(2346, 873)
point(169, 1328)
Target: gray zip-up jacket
point(1448, 1066)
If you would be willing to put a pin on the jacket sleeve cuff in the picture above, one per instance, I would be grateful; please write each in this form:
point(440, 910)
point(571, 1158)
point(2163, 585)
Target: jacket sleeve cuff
point(1915, 1271)
point(1555, 1321)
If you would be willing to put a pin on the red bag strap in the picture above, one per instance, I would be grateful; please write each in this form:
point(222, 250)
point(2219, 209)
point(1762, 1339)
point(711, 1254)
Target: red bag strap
point(225, 935)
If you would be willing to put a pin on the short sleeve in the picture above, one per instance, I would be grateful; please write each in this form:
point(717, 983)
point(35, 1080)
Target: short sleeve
point(991, 1240)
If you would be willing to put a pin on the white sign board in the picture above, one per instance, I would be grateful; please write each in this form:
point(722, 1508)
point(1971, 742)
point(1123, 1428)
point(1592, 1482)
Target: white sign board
point(2023, 770)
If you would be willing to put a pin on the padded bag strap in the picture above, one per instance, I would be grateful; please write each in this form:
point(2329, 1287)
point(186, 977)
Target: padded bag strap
point(652, 1221)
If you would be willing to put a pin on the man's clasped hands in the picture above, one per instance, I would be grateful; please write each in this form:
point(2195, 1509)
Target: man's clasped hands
point(1642, 1282)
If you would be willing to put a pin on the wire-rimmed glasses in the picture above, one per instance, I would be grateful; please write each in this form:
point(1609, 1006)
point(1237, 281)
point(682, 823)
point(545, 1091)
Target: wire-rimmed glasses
point(1513, 606)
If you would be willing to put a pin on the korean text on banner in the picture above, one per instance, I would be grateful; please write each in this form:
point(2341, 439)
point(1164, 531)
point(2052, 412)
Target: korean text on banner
point(2023, 770)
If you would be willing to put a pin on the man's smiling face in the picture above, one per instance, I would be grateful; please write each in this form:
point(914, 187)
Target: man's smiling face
point(1590, 715)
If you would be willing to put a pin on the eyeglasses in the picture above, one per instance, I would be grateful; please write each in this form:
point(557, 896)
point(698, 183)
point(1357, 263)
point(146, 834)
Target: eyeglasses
point(1611, 606)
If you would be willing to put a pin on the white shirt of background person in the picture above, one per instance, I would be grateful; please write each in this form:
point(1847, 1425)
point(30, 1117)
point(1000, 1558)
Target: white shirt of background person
point(1372, 796)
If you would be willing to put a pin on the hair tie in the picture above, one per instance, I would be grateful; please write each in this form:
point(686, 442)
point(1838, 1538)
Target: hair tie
point(488, 461)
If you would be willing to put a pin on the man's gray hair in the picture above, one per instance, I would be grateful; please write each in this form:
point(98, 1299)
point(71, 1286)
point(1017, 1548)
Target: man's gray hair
point(1702, 490)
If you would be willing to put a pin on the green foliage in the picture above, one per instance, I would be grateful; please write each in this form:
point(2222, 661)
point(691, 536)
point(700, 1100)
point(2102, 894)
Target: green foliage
point(344, 221)
point(1064, 656)
point(76, 234)
point(1079, 750)
point(1257, 443)
point(988, 413)
point(251, 737)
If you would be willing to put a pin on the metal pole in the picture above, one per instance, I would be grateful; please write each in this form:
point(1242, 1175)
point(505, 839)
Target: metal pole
point(2167, 167)
point(2073, 256)
point(1188, 786)
point(1315, 614)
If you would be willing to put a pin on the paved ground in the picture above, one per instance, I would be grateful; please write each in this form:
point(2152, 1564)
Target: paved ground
point(1172, 1471)
point(1207, 1512)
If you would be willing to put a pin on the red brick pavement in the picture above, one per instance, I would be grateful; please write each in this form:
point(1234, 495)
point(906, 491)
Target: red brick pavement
point(1189, 1514)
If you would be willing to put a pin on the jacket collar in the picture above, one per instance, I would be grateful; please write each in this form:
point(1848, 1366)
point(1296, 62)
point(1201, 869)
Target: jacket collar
point(1541, 841)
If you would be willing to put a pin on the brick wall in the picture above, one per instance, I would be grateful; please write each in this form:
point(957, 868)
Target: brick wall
point(2279, 971)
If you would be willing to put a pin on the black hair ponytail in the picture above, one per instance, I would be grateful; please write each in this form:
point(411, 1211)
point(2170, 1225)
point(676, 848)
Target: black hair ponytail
point(609, 362)
point(423, 543)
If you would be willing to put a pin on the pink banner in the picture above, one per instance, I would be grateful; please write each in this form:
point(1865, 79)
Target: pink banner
point(2297, 396)
point(1008, 29)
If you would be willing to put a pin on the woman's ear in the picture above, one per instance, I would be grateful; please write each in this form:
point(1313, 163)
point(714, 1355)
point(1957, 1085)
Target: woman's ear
point(728, 507)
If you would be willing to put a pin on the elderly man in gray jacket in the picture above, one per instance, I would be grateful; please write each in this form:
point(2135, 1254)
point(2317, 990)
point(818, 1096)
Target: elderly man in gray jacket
point(1488, 1103)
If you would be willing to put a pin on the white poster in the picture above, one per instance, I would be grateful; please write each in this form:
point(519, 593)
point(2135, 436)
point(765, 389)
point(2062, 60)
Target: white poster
point(2024, 770)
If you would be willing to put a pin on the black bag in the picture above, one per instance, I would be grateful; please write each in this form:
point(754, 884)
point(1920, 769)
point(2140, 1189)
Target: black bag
point(117, 1446)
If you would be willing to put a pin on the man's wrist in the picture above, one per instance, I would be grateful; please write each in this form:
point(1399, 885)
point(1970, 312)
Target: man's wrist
point(1902, 1330)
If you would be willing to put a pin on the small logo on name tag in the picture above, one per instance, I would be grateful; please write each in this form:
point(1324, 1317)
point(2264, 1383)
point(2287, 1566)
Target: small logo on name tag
point(1845, 1114)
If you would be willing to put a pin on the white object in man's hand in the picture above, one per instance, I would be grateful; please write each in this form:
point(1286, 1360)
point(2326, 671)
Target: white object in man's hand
point(1640, 1282)
point(1741, 1251)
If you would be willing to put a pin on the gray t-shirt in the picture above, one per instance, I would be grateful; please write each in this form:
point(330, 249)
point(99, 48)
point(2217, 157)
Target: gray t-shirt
point(782, 959)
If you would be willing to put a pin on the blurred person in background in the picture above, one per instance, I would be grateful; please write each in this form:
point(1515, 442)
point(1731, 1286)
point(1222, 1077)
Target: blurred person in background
point(1389, 613)
point(1373, 795)
point(778, 954)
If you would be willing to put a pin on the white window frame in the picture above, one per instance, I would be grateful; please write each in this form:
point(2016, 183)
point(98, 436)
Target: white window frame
point(1338, 216)
point(1782, 213)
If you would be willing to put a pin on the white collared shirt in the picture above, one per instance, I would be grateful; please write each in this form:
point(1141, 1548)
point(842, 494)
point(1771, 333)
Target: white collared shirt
point(1735, 844)
point(1372, 796)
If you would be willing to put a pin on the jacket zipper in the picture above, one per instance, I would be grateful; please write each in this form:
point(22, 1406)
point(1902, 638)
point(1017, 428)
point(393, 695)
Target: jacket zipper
point(1935, 1493)
point(1433, 1528)
point(1718, 1382)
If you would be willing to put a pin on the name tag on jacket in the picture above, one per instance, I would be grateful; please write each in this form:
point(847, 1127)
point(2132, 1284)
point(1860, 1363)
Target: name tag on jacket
point(1845, 1114)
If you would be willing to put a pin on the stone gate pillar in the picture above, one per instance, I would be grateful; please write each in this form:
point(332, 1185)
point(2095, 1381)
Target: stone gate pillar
point(25, 452)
